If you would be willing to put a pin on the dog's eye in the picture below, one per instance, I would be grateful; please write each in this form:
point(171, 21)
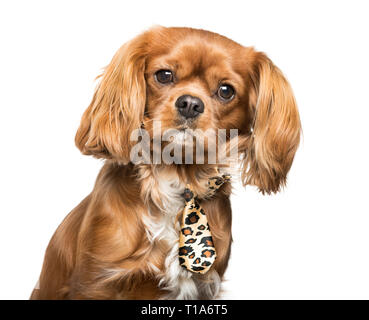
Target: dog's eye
point(225, 92)
point(164, 76)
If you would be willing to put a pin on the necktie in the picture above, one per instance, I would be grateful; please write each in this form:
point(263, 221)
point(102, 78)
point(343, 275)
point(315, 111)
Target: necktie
point(196, 248)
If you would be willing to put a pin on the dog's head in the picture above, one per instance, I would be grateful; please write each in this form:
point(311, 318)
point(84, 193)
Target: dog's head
point(188, 78)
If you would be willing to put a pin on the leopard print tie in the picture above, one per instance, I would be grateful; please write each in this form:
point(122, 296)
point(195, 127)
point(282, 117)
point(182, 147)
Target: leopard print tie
point(196, 248)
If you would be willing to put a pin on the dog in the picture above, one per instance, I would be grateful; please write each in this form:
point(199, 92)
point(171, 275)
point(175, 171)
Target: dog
point(122, 240)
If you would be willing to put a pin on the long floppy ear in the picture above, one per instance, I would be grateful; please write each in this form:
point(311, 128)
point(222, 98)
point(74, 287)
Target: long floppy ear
point(276, 129)
point(117, 106)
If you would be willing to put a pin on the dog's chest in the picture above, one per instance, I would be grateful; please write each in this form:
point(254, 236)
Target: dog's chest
point(177, 282)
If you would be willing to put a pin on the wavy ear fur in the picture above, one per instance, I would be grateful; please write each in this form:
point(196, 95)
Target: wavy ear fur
point(117, 106)
point(276, 130)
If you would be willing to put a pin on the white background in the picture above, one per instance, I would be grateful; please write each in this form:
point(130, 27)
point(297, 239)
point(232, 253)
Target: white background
point(308, 242)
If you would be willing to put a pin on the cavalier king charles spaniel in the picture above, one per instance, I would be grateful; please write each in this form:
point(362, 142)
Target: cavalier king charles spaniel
point(126, 239)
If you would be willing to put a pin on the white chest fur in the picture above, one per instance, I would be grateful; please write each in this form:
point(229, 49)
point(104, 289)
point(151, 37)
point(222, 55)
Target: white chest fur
point(177, 281)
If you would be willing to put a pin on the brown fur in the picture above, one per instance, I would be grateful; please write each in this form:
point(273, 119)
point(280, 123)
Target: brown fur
point(100, 251)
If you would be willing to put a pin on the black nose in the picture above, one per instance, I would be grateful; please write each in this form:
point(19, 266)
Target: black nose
point(189, 106)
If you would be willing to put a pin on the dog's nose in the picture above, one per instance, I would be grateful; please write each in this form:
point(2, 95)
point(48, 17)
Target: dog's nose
point(189, 106)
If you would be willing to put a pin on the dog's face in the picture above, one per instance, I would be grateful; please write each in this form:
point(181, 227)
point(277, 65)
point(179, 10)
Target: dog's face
point(195, 79)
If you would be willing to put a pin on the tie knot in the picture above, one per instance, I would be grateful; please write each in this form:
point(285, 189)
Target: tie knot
point(188, 194)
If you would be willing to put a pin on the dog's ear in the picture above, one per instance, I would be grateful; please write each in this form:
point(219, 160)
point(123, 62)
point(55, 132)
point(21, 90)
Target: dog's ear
point(276, 128)
point(117, 106)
